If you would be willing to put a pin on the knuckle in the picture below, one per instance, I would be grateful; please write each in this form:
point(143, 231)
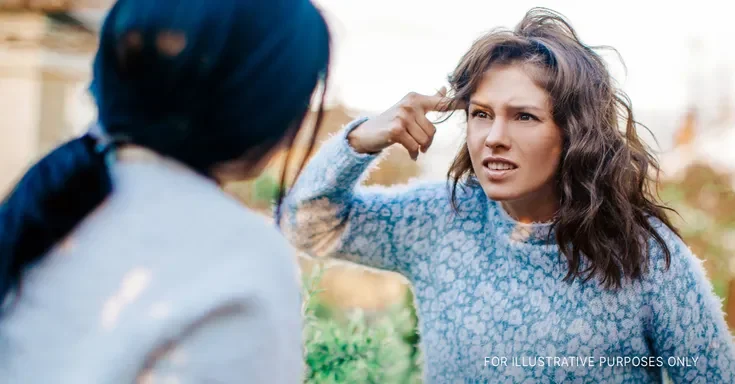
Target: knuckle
point(406, 109)
point(411, 99)
point(402, 117)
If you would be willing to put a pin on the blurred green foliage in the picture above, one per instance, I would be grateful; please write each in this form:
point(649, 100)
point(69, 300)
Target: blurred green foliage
point(259, 194)
point(705, 202)
point(356, 347)
point(265, 188)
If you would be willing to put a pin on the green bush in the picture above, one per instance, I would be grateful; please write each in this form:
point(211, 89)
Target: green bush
point(265, 188)
point(358, 348)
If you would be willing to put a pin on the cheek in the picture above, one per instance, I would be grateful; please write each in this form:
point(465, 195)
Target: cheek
point(543, 152)
point(475, 140)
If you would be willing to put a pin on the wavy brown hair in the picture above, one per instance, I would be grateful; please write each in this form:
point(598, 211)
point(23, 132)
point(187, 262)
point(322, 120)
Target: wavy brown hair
point(607, 178)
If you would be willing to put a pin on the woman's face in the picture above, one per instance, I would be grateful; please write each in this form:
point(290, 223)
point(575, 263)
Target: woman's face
point(514, 144)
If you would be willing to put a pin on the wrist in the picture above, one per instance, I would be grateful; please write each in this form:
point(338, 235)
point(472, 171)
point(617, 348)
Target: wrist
point(356, 141)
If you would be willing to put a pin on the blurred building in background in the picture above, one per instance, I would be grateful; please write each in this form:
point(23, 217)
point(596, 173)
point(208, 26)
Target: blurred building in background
point(44, 71)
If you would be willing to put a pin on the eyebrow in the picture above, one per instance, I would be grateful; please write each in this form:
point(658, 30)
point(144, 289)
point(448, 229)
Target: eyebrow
point(516, 107)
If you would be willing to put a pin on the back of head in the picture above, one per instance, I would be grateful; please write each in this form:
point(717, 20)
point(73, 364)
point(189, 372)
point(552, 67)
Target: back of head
point(606, 171)
point(203, 82)
point(208, 81)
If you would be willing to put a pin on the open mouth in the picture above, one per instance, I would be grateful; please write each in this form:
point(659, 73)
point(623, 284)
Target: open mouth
point(498, 169)
point(499, 166)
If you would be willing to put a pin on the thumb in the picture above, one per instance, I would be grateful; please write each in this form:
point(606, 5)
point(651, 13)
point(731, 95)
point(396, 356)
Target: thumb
point(456, 104)
point(438, 102)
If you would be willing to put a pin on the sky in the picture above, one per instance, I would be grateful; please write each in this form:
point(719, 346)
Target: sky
point(386, 48)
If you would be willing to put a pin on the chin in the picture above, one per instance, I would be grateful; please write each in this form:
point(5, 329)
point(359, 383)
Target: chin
point(501, 192)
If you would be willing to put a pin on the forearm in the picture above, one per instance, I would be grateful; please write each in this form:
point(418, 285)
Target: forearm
point(318, 207)
point(333, 172)
point(327, 213)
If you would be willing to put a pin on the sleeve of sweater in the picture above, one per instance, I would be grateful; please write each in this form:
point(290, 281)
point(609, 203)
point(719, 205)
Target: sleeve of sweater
point(327, 212)
point(687, 319)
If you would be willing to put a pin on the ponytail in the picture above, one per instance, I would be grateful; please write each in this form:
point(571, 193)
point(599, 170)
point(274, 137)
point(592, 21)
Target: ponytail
point(55, 195)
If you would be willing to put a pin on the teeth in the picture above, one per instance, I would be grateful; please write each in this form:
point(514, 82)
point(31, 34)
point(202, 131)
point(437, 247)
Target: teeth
point(497, 166)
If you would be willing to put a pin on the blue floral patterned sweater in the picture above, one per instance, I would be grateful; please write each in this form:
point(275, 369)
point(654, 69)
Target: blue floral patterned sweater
point(489, 292)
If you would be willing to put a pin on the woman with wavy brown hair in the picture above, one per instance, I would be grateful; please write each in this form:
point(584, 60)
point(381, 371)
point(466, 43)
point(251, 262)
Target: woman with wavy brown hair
point(547, 258)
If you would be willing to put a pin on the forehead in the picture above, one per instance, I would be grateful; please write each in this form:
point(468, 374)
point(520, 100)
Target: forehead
point(510, 85)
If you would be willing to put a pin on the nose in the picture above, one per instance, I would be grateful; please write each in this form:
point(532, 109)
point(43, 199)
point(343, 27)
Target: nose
point(497, 136)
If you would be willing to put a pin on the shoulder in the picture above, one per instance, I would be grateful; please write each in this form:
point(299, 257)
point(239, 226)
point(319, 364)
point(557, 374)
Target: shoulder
point(250, 239)
point(244, 259)
point(192, 227)
point(679, 254)
point(243, 302)
point(224, 223)
point(676, 272)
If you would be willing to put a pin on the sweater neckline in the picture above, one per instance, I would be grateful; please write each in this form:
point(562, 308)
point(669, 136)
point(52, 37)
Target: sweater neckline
point(534, 233)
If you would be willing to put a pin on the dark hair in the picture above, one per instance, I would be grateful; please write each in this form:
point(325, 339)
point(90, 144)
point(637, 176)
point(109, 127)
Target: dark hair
point(203, 82)
point(606, 178)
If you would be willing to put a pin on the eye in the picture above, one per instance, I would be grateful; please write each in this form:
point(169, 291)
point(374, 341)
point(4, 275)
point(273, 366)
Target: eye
point(480, 114)
point(526, 117)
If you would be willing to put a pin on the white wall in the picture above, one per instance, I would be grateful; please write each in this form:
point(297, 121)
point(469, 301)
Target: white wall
point(19, 112)
point(42, 97)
